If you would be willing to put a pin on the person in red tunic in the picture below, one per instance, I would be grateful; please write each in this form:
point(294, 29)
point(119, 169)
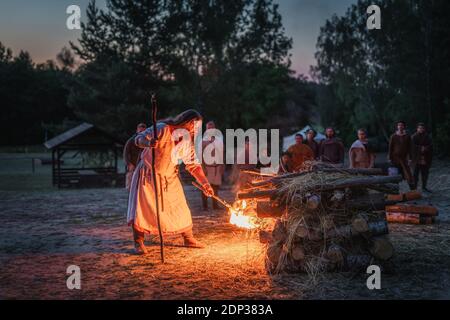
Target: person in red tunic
point(300, 153)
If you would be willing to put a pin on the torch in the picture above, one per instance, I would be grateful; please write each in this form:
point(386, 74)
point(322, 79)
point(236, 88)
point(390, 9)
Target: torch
point(221, 201)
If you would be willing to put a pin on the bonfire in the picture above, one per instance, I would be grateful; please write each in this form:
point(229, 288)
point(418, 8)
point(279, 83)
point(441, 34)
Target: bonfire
point(327, 219)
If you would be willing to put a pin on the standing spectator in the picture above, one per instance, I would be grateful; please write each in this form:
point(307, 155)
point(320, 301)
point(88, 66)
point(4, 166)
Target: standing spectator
point(213, 171)
point(360, 155)
point(422, 155)
point(312, 143)
point(400, 152)
point(300, 153)
point(332, 149)
point(131, 155)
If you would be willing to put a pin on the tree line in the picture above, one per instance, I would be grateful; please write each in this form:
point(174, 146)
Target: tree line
point(231, 61)
point(374, 78)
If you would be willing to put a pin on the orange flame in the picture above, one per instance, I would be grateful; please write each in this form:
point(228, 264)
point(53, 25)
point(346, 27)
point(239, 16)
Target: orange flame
point(239, 218)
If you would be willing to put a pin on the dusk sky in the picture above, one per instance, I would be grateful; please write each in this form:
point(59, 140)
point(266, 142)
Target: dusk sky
point(40, 26)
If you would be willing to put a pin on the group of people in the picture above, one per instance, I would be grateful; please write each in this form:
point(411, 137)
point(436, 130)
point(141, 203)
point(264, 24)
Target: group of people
point(409, 155)
point(175, 217)
point(330, 150)
point(412, 155)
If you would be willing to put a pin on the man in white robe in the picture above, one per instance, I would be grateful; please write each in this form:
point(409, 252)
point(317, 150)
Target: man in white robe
point(171, 145)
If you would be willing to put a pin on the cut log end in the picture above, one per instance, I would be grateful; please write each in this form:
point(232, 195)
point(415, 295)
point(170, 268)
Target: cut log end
point(360, 224)
point(313, 202)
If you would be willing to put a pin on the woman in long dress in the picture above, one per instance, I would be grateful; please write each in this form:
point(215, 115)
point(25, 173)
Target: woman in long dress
point(175, 142)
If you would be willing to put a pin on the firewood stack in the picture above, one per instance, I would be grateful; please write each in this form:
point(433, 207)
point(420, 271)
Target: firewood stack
point(328, 219)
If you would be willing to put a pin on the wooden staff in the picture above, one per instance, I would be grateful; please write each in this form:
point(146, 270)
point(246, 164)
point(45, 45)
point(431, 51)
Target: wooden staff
point(155, 185)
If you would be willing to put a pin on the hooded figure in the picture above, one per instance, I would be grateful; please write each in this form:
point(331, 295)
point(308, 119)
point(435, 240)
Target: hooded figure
point(175, 143)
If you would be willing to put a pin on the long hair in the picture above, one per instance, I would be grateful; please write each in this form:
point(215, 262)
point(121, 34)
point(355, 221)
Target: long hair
point(183, 118)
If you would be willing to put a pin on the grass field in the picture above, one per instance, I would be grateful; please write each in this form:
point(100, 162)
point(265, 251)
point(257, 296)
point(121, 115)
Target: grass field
point(17, 172)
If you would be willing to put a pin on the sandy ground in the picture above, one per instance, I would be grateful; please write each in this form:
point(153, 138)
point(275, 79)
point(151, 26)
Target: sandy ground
point(43, 232)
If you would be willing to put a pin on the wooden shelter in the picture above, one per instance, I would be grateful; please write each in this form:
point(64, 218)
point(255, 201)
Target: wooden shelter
point(85, 157)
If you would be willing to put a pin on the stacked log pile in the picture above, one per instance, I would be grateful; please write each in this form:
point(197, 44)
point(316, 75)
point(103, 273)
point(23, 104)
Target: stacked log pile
point(327, 219)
